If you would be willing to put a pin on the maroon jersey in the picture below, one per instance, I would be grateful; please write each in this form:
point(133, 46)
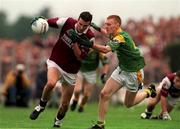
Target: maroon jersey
point(62, 53)
point(168, 87)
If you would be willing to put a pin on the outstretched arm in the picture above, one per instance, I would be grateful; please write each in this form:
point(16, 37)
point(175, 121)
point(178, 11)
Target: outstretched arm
point(96, 27)
point(165, 113)
point(102, 48)
point(56, 22)
point(163, 104)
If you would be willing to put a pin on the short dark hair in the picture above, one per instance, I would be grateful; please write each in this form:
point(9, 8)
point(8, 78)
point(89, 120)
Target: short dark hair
point(86, 16)
point(178, 73)
point(116, 18)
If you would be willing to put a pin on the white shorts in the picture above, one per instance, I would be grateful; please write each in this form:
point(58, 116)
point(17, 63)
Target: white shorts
point(89, 76)
point(66, 77)
point(131, 80)
point(170, 100)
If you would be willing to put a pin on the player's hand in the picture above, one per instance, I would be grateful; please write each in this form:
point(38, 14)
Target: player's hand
point(36, 18)
point(84, 40)
point(103, 78)
point(80, 40)
point(95, 27)
point(166, 116)
point(73, 35)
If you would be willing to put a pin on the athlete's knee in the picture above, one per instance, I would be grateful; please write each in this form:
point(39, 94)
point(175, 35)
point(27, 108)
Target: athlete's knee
point(51, 84)
point(104, 95)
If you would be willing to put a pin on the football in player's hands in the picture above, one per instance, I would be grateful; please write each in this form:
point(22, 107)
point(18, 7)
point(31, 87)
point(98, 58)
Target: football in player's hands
point(39, 25)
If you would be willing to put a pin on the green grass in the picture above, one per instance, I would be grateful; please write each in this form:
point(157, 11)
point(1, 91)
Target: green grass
point(118, 117)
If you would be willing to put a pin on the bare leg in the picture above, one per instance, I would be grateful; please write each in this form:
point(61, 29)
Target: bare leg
point(153, 101)
point(88, 88)
point(77, 91)
point(134, 98)
point(67, 91)
point(109, 89)
point(52, 77)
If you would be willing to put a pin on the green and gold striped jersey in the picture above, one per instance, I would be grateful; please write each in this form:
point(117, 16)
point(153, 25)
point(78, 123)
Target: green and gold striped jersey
point(129, 56)
point(91, 62)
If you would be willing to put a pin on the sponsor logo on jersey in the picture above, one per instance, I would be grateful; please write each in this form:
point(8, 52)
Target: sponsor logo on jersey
point(66, 39)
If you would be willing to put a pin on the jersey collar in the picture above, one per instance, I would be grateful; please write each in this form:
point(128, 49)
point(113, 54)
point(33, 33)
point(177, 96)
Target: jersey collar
point(84, 32)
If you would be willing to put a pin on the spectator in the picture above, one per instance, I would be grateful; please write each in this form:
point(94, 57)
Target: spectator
point(16, 88)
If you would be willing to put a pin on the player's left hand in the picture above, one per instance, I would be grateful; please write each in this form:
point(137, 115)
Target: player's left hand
point(36, 18)
point(166, 116)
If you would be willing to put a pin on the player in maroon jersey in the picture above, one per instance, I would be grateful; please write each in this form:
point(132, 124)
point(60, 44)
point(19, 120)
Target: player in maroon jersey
point(64, 62)
point(168, 93)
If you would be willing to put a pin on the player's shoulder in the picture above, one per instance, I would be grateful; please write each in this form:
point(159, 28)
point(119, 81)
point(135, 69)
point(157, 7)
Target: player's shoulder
point(168, 80)
point(119, 38)
point(71, 20)
point(171, 76)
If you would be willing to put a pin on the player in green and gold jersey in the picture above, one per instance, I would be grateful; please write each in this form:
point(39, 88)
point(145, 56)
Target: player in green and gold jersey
point(128, 74)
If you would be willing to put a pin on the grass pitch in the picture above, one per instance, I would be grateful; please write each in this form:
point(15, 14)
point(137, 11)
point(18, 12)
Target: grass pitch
point(118, 117)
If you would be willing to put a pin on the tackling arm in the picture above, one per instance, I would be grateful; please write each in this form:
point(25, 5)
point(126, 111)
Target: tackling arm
point(103, 31)
point(101, 48)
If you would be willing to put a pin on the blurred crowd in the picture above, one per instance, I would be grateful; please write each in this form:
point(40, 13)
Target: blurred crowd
point(151, 36)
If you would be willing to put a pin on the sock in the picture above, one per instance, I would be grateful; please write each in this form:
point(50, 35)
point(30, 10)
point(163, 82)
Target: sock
point(100, 123)
point(149, 112)
point(75, 101)
point(42, 103)
point(150, 108)
point(60, 116)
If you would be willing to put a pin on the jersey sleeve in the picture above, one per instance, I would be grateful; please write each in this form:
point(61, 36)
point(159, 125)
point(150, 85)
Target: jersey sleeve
point(116, 42)
point(165, 86)
point(56, 22)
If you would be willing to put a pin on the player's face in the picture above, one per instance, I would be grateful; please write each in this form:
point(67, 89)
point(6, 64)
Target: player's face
point(82, 25)
point(111, 26)
point(177, 81)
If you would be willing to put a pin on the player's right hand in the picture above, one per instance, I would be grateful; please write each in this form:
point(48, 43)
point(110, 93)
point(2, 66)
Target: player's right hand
point(166, 116)
point(73, 35)
point(84, 41)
